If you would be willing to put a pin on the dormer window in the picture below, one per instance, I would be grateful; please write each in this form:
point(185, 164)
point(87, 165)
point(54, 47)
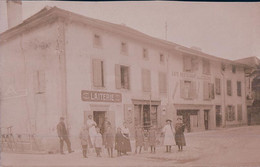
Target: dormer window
point(234, 69)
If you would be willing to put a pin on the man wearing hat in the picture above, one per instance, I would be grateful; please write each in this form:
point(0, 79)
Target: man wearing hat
point(63, 135)
point(168, 135)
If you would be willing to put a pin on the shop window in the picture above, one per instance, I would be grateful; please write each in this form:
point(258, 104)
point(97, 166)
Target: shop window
point(230, 113)
point(206, 66)
point(98, 73)
point(146, 80)
point(229, 88)
point(234, 69)
point(162, 58)
point(218, 86)
point(188, 89)
point(239, 112)
point(238, 88)
point(39, 82)
point(208, 91)
point(190, 63)
point(144, 116)
point(194, 120)
point(122, 77)
point(124, 48)
point(145, 54)
point(97, 41)
point(162, 82)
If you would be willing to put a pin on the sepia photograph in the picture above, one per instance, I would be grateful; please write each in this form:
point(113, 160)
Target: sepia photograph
point(129, 84)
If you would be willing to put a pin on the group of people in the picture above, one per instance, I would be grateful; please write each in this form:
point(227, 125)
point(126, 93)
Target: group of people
point(93, 137)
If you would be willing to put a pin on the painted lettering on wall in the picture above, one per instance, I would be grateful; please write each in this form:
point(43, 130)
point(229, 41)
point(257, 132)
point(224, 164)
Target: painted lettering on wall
point(100, 96)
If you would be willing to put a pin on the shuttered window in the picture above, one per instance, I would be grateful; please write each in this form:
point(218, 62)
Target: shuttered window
point(239, 112)
point(208, 90)
point(188, 89)
point(229, 88)
point(238, 88)
point(122, 77)
point(230, 113)
point(162, 58)
point(146, 80)
point(218, 86)
point(98, 75)
point(206, 66)
point(162, 82)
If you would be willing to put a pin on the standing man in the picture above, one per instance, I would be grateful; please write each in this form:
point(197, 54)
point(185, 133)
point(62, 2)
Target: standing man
point(63, 135)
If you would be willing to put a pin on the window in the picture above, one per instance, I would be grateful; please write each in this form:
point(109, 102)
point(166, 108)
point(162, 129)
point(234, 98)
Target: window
point(233, 69)
point(162, 82)
point(208, 91)
point(97, 40)
point(206, 66)
point(190, 63)
point(229, 88)
point(39, 82)
point(218, 86)
point(239, 112)
point(98, 73)
point(230, 113)
point(122, 77)
point(124, 48)
point(162, 58)
point(188, 89)
point(218, 116)
point(145, 54)
point(238, 88)
point(146, 80)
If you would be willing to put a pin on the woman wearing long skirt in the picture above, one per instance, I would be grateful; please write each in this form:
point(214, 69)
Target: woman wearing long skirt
point(168, 135)
point(179, 136)
point(126, 140)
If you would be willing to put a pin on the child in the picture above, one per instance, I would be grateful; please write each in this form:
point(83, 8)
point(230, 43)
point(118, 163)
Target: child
point(84, 138)
point(109, 139)
point(119, 142)
point(98, 142)
point(139, 139)
point(152, 138)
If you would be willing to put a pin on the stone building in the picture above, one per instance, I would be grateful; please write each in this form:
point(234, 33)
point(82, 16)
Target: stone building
point(58, 63)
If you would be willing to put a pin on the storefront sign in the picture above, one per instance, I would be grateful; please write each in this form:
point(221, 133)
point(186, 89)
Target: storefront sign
point(101, 96)
point(191, 75)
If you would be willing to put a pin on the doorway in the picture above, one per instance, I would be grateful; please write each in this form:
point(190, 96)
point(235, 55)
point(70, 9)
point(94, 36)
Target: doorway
point(206, 119)
point(99, 118)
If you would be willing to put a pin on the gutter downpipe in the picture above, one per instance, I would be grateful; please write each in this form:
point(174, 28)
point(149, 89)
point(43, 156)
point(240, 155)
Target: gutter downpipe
point(224, 99)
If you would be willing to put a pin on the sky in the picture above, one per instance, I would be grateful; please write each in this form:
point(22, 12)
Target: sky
point(230, 30)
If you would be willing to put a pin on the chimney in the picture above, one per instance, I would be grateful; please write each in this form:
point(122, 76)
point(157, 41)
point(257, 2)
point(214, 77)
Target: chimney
point(14, 12)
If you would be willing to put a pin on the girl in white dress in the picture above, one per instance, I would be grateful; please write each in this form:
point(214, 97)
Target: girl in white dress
point(168, 135)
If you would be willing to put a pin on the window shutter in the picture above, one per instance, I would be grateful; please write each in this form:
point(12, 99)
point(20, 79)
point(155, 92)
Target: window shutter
point(146, 78)
point(229, 87)
point(187, 63)
point(182, 89)
point(97, 72)
point(205, 90)
point(193, 90)
point(233, 113)
point(118, 76)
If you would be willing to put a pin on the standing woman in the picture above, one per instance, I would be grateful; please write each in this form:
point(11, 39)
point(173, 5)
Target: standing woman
point(179, 136)
point(126, 147)
point(168, 135)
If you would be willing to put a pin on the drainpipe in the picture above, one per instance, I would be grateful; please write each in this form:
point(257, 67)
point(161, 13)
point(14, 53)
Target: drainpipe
point(224, 98)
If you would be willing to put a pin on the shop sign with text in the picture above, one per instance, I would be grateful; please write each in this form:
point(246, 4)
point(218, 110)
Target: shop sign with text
point(101, 96)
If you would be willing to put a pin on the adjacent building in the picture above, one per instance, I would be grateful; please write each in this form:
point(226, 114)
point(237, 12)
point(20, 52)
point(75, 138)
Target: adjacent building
point(58, 63)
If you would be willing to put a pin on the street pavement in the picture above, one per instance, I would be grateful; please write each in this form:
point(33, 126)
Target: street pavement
point(234, 147)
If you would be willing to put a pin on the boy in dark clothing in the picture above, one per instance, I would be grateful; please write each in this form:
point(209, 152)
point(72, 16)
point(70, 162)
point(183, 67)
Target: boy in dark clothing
point(63, 135)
